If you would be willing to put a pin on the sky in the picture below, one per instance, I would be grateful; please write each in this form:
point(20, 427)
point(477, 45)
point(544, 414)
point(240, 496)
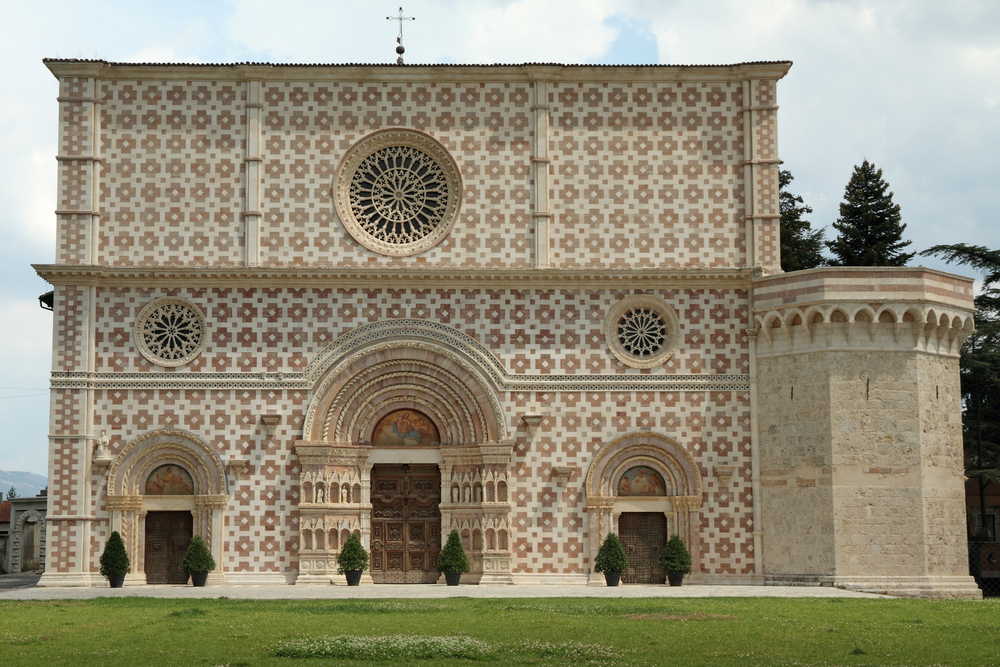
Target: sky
point(912, 86)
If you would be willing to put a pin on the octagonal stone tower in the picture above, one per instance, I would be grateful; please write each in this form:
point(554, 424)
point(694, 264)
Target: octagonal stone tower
point(860, 450)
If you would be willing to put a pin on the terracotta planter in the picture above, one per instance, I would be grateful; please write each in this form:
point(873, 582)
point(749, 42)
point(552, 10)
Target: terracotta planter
point(675, 578)
point(199, 578)
point(116, 580)
point(612, 578)
point(453, 578)
point(353, 577)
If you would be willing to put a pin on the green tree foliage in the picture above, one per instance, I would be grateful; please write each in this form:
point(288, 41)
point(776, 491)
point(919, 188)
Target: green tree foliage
point(352, 555)
point(675, 556)
point(114, 560)
point(452, 557)
point(980, 367)
point(870, 228)
point(11, 493)
point(800, 243)
point(198, 558)
point(611, 556)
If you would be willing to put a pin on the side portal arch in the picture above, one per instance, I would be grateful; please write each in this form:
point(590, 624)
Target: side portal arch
point(203, 492)
point(671, 484)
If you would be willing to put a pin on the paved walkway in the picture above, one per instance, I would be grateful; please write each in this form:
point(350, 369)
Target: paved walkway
point(428, 591)
point(21, 580)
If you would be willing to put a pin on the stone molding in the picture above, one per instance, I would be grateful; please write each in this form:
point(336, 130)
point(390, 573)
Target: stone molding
point(444, 278)
point(637, 444)
point(525, 72)
point(863, 326)
point(145, 452)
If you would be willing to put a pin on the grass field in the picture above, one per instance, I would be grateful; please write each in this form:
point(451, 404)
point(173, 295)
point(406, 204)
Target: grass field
point(727, 631)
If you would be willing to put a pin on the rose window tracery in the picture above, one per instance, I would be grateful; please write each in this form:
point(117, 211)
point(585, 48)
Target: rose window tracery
point(398, 192)
point(399, 195)
point(170, 332)
point(642, 331)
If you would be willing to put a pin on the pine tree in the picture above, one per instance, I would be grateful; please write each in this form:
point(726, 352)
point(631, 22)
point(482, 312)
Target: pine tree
point(980, 368)
point(870, 228)
point(11, 493)
point(800, 244)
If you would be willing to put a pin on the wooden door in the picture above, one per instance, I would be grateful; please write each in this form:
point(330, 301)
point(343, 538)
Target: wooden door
point(643, 534)
point(406, 523)
point(167, 537)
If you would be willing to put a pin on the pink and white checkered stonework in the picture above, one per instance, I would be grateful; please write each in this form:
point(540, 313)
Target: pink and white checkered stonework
point(572, 272)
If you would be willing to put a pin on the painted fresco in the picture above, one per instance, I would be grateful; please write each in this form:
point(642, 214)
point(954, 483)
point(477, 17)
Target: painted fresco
point(641, 481)
point(405, 428)
point(169, 480)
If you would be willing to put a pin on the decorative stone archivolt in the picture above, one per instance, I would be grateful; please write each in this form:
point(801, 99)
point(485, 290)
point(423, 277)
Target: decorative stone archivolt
point(398, 192)
point(148, 456)
point(170, 331)
point(891, 326)
point(642, 331)
point(651, 454)
point(366, 382)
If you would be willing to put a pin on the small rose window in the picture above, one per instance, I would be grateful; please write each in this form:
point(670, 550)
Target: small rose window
point(642, 331)
point(170, 332)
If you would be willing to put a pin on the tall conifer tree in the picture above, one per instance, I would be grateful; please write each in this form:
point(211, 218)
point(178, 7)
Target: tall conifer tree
point(800, 244)
point(870, 227)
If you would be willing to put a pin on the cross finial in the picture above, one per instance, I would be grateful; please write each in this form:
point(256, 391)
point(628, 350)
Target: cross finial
point(399, 40)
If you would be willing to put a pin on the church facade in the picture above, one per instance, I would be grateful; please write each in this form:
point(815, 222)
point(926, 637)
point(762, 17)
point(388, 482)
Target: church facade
point(531, 303)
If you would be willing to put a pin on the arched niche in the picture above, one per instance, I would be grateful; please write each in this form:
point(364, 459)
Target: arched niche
point(128, 503)
point(31, 517)
point(652, 454)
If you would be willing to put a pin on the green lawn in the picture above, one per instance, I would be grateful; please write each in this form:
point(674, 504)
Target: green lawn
point(728, 631)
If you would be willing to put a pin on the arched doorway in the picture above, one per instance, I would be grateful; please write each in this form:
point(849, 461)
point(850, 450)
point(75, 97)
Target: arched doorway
point(644, 486)
point(399, 407)
point(163, 487)
point(27, 552)
point(168, 532)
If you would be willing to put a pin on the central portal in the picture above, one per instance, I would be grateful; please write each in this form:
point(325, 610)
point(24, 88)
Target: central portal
point(406, 523)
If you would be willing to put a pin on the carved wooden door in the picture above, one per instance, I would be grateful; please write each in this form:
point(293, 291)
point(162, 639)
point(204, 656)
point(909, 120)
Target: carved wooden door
point(406, 523)
point(643, 534)
point(167, 537)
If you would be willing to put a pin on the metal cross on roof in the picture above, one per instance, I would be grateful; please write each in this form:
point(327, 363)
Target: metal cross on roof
point(399, 40)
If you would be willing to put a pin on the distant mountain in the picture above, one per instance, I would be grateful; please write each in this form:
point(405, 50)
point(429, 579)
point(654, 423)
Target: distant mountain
point(25, 483)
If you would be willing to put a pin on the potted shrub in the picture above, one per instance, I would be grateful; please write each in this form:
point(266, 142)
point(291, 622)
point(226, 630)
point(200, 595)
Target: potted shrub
point(675, 560)
point(114, 561)
point(452, 559)
point(352, 560)
point(198, 561)
point(611, 560)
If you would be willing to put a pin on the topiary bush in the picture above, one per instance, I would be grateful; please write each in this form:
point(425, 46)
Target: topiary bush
point(352, 556)
point(452, 557)
point(198, 558)
point(611, 556)
point(675, 557)
point(114, 560)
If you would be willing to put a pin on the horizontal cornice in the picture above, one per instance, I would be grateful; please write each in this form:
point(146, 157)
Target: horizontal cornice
point(89, 274)
point(352, 72)
point(302, 382)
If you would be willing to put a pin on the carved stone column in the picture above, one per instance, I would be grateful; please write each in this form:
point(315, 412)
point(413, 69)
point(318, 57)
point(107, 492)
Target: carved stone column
point(601, 523)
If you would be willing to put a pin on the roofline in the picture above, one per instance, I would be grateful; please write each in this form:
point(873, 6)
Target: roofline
point(102, 69)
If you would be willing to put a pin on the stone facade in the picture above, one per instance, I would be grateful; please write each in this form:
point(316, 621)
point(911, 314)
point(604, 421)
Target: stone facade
point(569, 213)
